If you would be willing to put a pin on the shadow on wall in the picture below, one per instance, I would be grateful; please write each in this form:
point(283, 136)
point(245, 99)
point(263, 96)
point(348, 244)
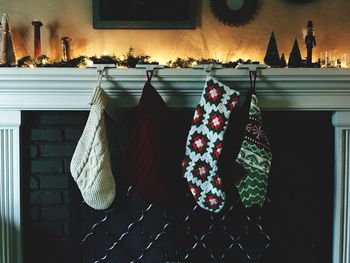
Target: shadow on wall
point(54, 39)
point(20, 34)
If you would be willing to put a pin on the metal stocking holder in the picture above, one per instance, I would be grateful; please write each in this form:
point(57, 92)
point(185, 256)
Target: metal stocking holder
point(150, 69)
point(101, 70)
point(208, 68)
point(253, 71)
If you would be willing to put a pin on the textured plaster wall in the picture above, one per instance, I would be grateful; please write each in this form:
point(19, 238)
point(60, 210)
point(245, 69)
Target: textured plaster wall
point(210, 39)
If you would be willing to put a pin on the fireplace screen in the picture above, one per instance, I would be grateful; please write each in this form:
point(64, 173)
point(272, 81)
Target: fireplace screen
point(141, 232)
point(295, 224)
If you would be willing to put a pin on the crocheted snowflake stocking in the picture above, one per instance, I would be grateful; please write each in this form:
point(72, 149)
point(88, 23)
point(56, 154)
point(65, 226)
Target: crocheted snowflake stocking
point(204, 144)
point(255, 158)
point(90, 165)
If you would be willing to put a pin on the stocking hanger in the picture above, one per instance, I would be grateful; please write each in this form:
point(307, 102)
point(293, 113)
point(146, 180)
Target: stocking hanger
point(253, 70)
point(101, 70)
point(208, 68)
point(150, 68)
point(252, 67)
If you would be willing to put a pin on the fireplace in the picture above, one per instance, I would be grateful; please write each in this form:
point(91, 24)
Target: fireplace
point(289, 90)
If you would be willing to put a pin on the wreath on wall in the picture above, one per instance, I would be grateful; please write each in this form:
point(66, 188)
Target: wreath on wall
point(235, 12)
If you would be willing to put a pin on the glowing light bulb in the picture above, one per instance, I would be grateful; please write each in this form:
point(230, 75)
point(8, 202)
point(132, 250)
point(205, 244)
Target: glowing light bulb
point(122, 57)
point(194, 63)
point(105, 53)
point(89, 62)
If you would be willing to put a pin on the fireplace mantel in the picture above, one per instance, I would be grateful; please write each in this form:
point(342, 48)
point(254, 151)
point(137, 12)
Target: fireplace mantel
point(70, 89)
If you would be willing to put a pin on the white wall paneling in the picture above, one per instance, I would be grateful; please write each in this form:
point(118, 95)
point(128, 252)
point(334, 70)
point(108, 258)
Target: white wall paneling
point(10, 188)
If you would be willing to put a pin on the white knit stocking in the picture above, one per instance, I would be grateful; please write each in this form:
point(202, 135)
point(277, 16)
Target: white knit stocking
point(90, 165)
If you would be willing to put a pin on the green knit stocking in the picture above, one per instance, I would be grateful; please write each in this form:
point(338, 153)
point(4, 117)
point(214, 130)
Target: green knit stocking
point(255, 158)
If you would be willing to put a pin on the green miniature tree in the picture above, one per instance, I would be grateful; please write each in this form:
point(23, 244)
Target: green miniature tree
point(283, 62)
point(272, 58)
point(295, 60)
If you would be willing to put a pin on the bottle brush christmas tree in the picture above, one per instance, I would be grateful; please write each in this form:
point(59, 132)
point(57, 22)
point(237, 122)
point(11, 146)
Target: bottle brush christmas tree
point(272, 58)
point(283, 62)
point(295, 60)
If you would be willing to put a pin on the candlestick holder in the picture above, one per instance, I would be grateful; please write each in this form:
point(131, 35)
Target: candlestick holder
point(66, 48)
point(37, 38)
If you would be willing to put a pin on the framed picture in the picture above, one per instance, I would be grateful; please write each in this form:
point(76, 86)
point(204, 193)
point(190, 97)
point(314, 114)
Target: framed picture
point(152, 14)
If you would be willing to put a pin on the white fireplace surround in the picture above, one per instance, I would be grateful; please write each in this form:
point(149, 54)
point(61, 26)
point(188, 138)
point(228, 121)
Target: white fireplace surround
point(24, 89)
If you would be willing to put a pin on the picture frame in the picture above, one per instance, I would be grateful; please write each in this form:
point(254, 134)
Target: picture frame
point(144, 14)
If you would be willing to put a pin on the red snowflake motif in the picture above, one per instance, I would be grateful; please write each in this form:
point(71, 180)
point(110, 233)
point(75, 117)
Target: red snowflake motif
point(199, 143)
point(197, 115)
point(194, 190)
point(232, 103)
point(217, 150)
point(184, 164)
point(212, 201)
point(201, 170)
point(216, 121)
point(217, 182)
point(213, 93)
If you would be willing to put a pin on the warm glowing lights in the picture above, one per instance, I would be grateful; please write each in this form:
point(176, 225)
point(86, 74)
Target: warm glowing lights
point(345, 60)
point(89, 62)
point(327, 59)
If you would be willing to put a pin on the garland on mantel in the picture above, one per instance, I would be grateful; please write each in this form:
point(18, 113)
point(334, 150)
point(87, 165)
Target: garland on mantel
point(129, 60)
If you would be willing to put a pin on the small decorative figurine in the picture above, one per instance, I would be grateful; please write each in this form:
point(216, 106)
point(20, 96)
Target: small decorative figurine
point(310, 42)
point(37, 38)
point(66, 48)
point(8, 57)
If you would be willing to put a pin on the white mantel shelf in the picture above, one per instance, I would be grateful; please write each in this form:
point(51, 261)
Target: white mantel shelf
point(71, 88)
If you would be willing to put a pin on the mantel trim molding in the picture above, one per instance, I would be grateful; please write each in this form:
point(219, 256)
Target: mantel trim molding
point(71, 88)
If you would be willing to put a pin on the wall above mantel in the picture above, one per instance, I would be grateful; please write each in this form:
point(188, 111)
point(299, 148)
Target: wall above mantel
point(210, 38)
point(70, 89)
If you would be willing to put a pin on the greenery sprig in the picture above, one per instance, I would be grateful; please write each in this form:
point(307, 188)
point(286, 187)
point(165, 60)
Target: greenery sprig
point(129, 60)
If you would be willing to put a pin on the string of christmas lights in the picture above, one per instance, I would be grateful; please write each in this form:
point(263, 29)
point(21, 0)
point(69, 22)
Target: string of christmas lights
point(129, 60)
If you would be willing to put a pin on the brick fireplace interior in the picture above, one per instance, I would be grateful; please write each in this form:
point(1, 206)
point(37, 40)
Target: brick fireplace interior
point(295, 225)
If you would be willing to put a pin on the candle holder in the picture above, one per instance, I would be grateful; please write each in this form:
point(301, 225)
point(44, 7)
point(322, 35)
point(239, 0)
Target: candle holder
point(66, 48)
point(37, 38)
